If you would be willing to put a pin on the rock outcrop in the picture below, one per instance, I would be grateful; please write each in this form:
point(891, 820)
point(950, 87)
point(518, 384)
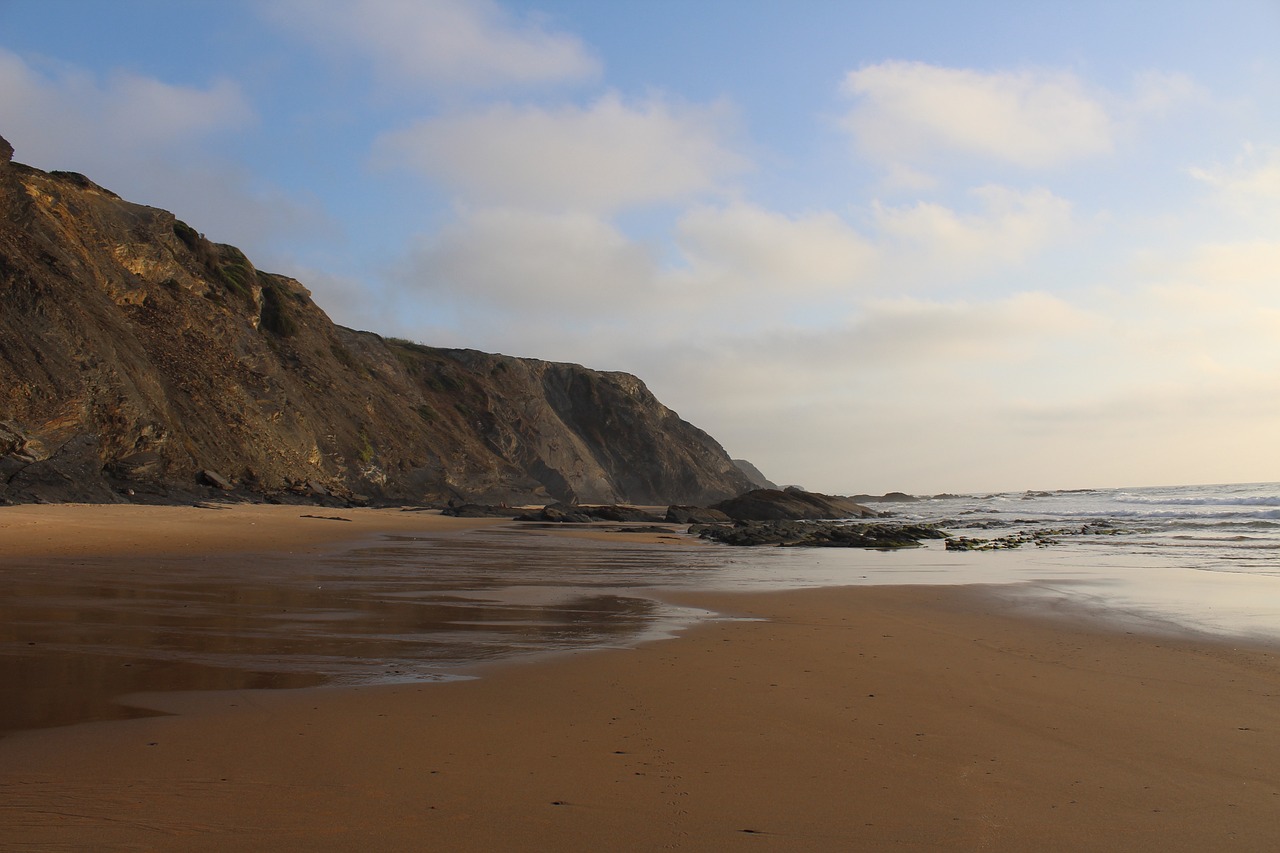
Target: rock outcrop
point(790, 504)
point(818, 534)
point(140, 361)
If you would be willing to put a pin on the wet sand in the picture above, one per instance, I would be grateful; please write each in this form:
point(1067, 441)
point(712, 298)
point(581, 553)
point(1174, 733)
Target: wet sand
point(922, 718)
point(226, 597)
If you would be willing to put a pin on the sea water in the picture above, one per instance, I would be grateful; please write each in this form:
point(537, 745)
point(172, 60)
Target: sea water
point(1202, 559)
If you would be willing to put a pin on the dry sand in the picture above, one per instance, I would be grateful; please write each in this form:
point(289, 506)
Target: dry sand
point(73, 530)
point(838, 719)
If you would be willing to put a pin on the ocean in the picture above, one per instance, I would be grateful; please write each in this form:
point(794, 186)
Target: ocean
point(1182, 558)
point(1233, 527)
point(1186, 560)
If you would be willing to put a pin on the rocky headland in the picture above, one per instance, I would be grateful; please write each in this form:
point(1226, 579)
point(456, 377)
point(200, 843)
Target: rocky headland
point(140, 361)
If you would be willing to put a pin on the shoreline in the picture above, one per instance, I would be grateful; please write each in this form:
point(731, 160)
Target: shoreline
point(918, 718)
point(915, 717)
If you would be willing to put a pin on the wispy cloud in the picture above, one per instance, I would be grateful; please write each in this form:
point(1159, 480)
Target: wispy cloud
point(442, 44)
point(935, 242)
point(741, 248)
point(65, 113)
point(1253, 177)
point(912, 113)
point(603, 157)
point(151, 141)
point(552, 271)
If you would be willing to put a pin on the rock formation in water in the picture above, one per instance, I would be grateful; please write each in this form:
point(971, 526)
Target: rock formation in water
point(140, 361)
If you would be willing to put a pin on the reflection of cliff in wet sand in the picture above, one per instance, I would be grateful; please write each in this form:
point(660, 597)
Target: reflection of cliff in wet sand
point(88, 629)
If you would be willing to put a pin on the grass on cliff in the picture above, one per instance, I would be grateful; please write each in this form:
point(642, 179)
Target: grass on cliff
point(276, 317)
point(228, 266)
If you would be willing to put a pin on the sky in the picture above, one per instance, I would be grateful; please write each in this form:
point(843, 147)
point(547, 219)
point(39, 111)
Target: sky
point(922, 245)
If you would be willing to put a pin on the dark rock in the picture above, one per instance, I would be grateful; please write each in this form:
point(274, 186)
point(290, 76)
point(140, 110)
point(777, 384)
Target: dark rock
point(146, 465)
point(561, 513)
point(891, 497)
point(72, 474)
point(478, 511)
point(1041, 538)
point(642, 528)
point(790, 504)
point(695, 515)
point(818, 534)
point(6, 151)
point(556, 514)
point(615, 512)
point(213, 478)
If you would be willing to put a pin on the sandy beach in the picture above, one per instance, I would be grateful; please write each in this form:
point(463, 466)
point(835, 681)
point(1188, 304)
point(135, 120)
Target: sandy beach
point(73, 530)
point(883, 718)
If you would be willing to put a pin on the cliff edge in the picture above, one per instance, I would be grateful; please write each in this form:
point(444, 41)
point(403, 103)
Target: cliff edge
point(140, 361)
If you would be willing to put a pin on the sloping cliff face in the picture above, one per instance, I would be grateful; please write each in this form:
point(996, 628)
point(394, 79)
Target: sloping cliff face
point(140, 361)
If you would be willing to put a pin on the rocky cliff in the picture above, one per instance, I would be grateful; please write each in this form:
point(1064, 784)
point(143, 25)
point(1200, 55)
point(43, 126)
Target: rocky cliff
point(140, 361)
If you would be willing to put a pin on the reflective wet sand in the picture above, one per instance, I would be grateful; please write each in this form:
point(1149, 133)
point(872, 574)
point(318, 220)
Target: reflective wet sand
point(77, 633)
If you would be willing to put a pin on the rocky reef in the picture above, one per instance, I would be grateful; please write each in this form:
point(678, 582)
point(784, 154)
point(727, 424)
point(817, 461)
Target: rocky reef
point(140, 361)
point(818, 534)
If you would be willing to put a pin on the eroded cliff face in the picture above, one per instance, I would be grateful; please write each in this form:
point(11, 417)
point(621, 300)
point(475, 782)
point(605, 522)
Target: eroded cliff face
point(140, 361)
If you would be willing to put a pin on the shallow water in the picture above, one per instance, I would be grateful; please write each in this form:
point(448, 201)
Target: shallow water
point(78, 633)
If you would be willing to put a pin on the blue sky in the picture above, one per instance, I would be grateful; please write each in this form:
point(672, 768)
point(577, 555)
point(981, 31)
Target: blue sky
point(929, 246)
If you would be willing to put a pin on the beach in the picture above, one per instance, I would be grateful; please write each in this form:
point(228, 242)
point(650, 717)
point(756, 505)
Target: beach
point(871, 718)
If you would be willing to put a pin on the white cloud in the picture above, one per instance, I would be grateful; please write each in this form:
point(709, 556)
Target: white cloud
point(149, 141)
point(874, 396)
point(457, 44)
point(747, 247)
point(554, 269)
point(558, 279)
point(1182, 347)
point(1253, 177)
point(146, 111)
point(600, 158)
point(63, 118)
point(909, 112)
point(932, 241)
